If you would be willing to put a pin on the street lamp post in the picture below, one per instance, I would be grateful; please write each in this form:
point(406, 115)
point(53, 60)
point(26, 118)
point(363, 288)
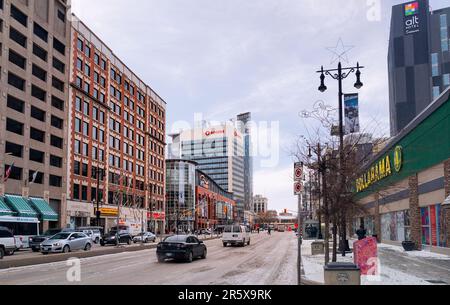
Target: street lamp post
point(340, 74)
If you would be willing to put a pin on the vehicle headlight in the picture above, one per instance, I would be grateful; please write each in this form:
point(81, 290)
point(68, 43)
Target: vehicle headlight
point(56, 244)
point(113, 237)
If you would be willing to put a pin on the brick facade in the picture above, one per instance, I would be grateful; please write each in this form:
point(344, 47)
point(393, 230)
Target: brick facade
point(414, 210)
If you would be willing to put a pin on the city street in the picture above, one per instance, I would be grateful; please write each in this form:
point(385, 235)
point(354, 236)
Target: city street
point(268, 260)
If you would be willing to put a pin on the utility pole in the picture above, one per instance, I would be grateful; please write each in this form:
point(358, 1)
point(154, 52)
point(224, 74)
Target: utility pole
point(323, 170)
point(299, 254)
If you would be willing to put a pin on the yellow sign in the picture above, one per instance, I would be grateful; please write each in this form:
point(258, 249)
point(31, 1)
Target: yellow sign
point(109, 211)
point(380, 170)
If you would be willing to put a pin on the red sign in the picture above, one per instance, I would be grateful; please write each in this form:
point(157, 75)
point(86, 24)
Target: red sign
point(297, 188)
point(366, 256)
point(213, 132)
point(156, 215)
point(298, 172)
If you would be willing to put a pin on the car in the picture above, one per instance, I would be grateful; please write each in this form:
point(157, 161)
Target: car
point(205, 232)
point(7, 242)
point(115, 237)
point(145, 237)
point(93, 232)
point(236, 235)
point(65, 242)
point(36, 241)
point(181, 247)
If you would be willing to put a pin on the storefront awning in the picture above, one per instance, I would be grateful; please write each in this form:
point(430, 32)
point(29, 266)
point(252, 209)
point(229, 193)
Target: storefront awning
point(4, 208)
point(44, 209)
point(20, 205)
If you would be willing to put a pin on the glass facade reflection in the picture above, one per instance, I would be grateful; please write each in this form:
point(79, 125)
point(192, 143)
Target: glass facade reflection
point(180, 201)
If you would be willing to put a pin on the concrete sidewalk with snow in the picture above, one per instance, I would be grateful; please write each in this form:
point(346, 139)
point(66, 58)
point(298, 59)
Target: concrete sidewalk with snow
point(397, 267)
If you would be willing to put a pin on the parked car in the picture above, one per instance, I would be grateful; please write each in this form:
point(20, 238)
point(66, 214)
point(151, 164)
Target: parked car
point(146, 237)
point(7, 242)
point(93, 232)
point(65, 242)
point(36, 241)
point(205, 232)
point(116, 238)
point(236, 235)
point(181, 247)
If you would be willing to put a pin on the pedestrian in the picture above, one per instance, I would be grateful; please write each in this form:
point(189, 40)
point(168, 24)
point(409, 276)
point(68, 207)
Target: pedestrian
point(270, 231)
point(258, 230)
point(361, 232)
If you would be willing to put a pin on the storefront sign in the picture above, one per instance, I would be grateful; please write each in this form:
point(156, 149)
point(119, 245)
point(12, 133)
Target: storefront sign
point(380, 170)
point(109, 211)
point(156, 215)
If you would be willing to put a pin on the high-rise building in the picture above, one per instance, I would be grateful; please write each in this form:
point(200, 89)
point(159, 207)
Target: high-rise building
point(243, 124)
point(34, 52)
point(219, 152)
point(116, 140)
point(260, 204)
point(418, 60)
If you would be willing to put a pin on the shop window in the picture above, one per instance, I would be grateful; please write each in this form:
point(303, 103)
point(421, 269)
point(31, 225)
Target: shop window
point(431, 226)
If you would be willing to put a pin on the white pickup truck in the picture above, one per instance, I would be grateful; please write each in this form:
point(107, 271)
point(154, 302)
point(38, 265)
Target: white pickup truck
point(7, 242)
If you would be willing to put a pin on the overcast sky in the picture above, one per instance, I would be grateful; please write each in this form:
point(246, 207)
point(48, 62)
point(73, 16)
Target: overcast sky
point(221, 58)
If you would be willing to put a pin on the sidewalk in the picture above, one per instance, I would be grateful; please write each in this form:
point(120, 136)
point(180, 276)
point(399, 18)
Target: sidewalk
point(397, 267)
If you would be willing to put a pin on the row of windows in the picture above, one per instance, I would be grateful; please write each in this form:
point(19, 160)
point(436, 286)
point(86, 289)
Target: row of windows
point(16, 150)
point(16, 173)
point(35, 134)
point(84, 108)
point(84, 48)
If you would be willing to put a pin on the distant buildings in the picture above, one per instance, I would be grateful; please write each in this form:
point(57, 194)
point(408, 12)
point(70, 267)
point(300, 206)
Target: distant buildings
point(260, 204)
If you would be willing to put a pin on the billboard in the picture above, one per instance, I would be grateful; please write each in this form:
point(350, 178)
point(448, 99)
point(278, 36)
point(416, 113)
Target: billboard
point(351, 102)
point(412, 19)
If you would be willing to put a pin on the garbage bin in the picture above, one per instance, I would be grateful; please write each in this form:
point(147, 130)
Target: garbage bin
point(340, 274)
point(317, 248)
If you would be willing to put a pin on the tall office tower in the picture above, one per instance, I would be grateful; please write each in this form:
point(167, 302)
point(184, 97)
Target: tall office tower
point(243, 121)
point(34, 51)
point(117, 140)
point(219, 152)
point(418, 60)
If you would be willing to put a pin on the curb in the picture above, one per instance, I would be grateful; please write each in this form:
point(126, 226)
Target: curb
point(54, 258)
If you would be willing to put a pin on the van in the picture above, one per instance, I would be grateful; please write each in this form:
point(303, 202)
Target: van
point(236, 235)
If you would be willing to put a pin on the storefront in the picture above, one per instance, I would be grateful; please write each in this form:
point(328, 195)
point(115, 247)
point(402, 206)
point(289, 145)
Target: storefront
point(404, 188)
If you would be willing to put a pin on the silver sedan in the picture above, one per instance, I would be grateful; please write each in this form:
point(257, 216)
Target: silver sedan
point(147, 237)
point(66, 242)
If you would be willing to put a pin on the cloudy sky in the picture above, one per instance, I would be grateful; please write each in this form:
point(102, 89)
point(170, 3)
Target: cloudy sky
point(221, 58)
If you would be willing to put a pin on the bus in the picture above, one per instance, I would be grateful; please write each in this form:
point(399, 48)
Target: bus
point(23, 229)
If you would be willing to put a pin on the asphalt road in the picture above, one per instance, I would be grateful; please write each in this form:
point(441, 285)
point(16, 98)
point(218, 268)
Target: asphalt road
point(269, 260)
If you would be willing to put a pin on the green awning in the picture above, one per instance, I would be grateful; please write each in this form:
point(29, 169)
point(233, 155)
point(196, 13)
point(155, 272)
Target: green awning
point(4, 208)
point(20, 206)
point(44, 209)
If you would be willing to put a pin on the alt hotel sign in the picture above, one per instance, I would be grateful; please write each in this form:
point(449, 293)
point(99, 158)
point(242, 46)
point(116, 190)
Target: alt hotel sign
point(412, 18)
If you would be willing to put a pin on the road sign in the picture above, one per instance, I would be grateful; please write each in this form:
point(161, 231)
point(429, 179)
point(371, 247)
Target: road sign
point(298, 187)
point(298, 172)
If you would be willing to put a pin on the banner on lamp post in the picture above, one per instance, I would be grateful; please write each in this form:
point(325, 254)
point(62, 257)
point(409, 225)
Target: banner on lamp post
point(351, 102)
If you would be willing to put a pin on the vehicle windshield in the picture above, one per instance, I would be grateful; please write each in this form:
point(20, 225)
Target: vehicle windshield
point(60, 236)
point(228, 229)
point(51, 232)
point(175, 239)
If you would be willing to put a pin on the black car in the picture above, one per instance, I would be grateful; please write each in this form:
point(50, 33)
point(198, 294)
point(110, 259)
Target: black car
point(181, 247)
point(36, 241)
point(112, 238)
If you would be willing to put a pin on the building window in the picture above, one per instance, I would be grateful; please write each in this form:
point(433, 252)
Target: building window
point(16, 104)
point(18, 37)
point(40, 32)
point(56, 141)
point(56, 161)
point(59, 46)
point(434, 64)
point(446, 80)
point(39, 73)
point(436, 92)
point(76, 191)
point(57, 103)
point(86, 108)
point(444, 33)
point(16, 81)
point(39, 52)
point(14, 126)
point(15, 174)
point(77, 147)
point(37, 114)
point(85, 129)
point(39, 177)
point(85, 150)
point(17, 59)
point(58, 84)
point(37, 135)
point(84, 191)
point(37, 156)
point(62, 16)
point(84, 170)
point(14, 149)
point(59, 65)
point(80, 44)
point(19, 16)
point(57, 122)
point(55, 181)
point(38, 93)
point(87, 51)
point(77, 125)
